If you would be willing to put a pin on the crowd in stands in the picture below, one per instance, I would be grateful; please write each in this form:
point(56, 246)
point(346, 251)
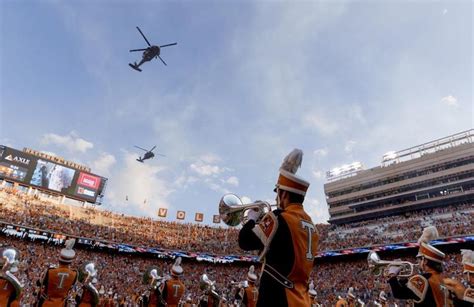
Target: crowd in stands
point(118, 271)
point(33, 211)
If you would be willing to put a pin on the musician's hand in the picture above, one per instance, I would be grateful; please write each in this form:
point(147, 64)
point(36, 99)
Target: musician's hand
point(253, 214)
point(455, 286)
point(394, 270)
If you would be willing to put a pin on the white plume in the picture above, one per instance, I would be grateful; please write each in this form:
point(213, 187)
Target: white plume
point(467, 256)
point(177, 262)
point(292, 161)
point(70, 243)
point(430, 233)
point(252, 270)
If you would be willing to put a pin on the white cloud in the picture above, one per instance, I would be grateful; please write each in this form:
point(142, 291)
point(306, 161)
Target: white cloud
point(445, 11)
point(322, 124)
point(317, 210)
point(317, 174)
point(450, 101)
point(138, 182)
point(203, 169)
point(234, 181)
point(323, 152)
point(102, 165)
point(72, 142)
point(349, 146)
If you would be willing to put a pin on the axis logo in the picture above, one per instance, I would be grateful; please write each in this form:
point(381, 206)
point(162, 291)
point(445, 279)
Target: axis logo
point(18, 159)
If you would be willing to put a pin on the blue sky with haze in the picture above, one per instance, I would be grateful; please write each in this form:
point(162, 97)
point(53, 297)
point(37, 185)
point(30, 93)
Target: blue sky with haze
point(248, 82)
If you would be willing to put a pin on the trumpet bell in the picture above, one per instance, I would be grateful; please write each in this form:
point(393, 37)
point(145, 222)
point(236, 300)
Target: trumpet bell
point(205, 283)
point(233, 211)
point(10, 257)
point(91, 270)
point(230, 209)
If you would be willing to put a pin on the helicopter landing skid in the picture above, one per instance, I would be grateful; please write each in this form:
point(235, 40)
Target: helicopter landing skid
point(134, 67)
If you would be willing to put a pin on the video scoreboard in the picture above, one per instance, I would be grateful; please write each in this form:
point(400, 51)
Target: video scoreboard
point(45, 174)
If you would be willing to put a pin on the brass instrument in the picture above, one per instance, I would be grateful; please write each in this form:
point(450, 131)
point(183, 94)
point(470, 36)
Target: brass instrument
point(233, 211)
point(10, 256)
point(378, 266)
point(208, 286)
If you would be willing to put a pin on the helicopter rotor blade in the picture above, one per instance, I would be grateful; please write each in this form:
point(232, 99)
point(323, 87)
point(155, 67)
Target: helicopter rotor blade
point(153, 148)
point(162, 60)
point(158, 154)
point(140, 148)
point(133, 50)
point(168, 45)
point(143, 36)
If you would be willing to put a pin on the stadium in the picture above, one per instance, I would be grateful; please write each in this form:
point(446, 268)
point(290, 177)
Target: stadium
point(381, 209)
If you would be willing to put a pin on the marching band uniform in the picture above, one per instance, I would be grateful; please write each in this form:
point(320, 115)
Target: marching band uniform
point(351, 298)
point(312, 295)
point(173, 289)
point(10, 286)
point(58, 281)
point(248, 294)
point(90, 296)
point(287, 241)
point(424, 289)
point(463, 297)
point(341, 302)
point(382, 302)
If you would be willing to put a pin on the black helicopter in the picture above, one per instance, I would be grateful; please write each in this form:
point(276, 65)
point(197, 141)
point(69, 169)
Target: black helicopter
point(148, 53)
point(148, 154)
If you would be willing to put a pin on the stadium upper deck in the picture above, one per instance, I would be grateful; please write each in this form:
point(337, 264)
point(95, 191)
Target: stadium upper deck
point(430, 175)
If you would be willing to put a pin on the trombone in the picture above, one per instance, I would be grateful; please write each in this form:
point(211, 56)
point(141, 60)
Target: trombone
point(233, 211)
point(378, 266)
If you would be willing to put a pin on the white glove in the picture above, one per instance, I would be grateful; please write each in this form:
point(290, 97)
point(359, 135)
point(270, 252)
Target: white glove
point(394, 270)
point(253, 215)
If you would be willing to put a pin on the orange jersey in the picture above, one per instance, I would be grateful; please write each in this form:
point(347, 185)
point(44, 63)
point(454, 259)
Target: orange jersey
point(288, 242)
point(90, 296)
point(173, 291)
point(57, 284)
point(250, 296)
point(342, 303)
point(7, 292)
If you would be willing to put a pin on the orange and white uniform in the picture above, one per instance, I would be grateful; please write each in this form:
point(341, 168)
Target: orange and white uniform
point(8, 295)
point(173, 290)
point(56, 286)
point(288, 241)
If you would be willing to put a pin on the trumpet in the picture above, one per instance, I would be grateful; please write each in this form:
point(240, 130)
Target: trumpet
point(233, 211)
point(378, 266)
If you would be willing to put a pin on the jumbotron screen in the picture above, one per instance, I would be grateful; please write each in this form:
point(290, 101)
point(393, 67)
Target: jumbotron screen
point(38, 172)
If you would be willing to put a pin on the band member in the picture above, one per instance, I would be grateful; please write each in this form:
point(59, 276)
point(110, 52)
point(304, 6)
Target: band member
point(173, 289)
point(10, 286)
point(424, 289)
point(382, 301)
point(188, 302)
point(463, 296)
point(341, 302)
point(153, 296)
point(287, 240)
point(351, 298)
point(210, 297)
point(58, 281)
point(313, 295)
point(248, 293)
point(90, 295)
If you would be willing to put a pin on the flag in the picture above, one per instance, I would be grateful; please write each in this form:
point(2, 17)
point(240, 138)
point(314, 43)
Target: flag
point(181, 215)
point(199, 217)
point(162, 212)
point(216, 219)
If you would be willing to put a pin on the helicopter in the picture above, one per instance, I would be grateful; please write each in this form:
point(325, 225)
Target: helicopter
point(148, 53)
point(148, 154)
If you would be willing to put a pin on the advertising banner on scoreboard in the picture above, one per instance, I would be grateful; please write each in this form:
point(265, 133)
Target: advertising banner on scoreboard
point(45, 174)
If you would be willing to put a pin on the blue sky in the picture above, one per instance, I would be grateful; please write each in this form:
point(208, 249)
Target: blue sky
point(248, 82)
